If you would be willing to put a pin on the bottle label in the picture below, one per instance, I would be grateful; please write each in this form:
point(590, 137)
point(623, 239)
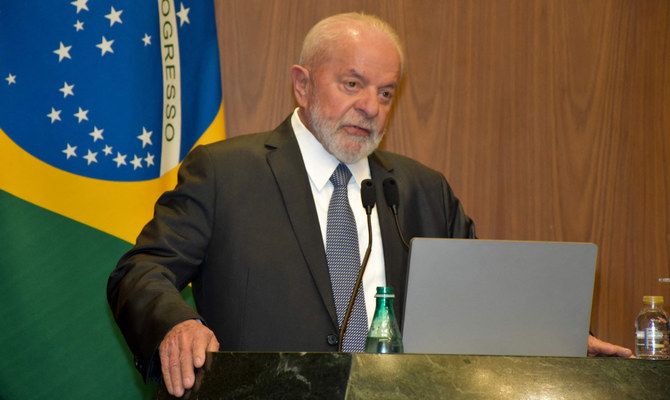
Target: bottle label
point(649, 333)
point(650, 338)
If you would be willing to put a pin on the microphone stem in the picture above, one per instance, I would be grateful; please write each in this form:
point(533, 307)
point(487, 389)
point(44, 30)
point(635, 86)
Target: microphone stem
point(359, 280)
point(397, 226)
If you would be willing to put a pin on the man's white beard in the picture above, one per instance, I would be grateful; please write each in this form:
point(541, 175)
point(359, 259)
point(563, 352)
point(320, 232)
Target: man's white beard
point(332, 136)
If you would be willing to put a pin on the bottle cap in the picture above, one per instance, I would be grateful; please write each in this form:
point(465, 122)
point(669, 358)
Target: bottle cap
point(385, 291)
point(652, 299)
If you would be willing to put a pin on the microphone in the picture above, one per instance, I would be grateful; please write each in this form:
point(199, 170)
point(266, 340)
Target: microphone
point(392, 197)
point(368, 195)
point(369, 198)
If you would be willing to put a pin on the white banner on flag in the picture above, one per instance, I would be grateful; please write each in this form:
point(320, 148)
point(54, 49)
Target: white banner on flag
point(172, 111)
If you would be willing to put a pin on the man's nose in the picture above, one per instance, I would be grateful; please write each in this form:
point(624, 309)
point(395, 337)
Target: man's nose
point(368, 103)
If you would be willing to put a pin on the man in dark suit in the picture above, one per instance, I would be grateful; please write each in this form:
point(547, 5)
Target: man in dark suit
point(246, 223)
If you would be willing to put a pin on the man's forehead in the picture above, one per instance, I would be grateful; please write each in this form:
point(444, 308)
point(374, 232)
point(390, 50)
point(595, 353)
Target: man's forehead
point(364, 60)
point(358, 47)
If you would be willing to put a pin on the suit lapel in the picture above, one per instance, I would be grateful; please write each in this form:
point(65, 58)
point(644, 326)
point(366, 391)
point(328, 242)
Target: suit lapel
point(286, 163)
point(395, 256)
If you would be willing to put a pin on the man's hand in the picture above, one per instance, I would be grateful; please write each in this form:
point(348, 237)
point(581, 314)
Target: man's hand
point(182, 350)
point(598, 348)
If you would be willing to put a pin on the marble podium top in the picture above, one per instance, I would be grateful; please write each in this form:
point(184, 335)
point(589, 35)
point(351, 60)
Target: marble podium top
point(230, 375)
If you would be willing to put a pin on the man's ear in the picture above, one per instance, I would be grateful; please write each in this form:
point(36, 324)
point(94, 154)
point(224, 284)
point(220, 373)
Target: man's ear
point(300, 77)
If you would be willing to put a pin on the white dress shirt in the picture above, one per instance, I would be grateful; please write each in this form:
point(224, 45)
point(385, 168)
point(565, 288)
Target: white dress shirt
point(320, 165)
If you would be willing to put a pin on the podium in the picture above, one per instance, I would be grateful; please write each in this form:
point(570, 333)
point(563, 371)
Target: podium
point(233, 375)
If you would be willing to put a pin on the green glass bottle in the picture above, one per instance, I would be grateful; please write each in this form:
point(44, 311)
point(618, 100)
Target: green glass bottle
point(384, 335)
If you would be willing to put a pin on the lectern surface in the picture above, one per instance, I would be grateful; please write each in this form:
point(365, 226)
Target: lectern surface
point(422, 376)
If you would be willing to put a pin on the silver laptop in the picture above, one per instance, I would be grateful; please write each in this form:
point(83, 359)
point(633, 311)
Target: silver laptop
point(499, 297)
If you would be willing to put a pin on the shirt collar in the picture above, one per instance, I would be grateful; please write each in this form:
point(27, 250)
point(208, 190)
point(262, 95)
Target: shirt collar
point(319, 163)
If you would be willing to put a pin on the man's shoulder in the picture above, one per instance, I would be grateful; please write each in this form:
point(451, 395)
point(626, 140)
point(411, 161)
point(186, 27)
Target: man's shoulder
point(258, 142)
point(245, 141)
point(404, 165)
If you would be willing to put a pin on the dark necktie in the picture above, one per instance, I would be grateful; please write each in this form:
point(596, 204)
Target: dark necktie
point(344, 261)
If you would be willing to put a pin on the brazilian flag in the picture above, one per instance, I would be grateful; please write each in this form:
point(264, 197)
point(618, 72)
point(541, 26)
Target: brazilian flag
point(99, 103)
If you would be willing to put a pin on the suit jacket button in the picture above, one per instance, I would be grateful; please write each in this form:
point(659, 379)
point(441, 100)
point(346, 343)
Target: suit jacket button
point(332, 340)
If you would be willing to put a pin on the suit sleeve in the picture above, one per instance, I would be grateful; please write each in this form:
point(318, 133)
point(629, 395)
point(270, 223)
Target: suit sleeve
point(144, 290)
point(459, 225)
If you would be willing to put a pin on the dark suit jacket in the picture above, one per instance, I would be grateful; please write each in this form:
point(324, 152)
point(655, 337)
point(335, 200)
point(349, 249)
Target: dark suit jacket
point(241, 225)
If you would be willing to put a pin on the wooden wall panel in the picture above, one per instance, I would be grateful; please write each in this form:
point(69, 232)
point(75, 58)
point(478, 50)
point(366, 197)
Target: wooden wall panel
point(551, 119)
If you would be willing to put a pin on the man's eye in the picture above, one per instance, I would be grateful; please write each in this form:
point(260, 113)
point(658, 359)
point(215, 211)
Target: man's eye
point(386, 95)
point(351, 84)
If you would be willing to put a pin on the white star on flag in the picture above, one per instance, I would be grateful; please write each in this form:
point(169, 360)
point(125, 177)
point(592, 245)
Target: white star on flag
point(145, 137)
point(107, 150)
point(119, 159)
point(63, 52)
point(54, 115)
point(97, 134)
point(79, 26)
point(11, 79)
point(137, 162)
point(80, 4)
point(91, 157)
point(114, 16)
point(149, 159)
point(81, 115)
point(146, 39)
point(67, 90)
point(70, 151)
point(105, 46)
point(183, 15)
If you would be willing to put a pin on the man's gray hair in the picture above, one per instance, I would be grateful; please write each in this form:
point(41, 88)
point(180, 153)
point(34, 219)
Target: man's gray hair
point(327, 34)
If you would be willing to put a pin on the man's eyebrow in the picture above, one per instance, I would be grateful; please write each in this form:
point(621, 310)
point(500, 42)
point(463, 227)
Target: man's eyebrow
point(356, 74)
